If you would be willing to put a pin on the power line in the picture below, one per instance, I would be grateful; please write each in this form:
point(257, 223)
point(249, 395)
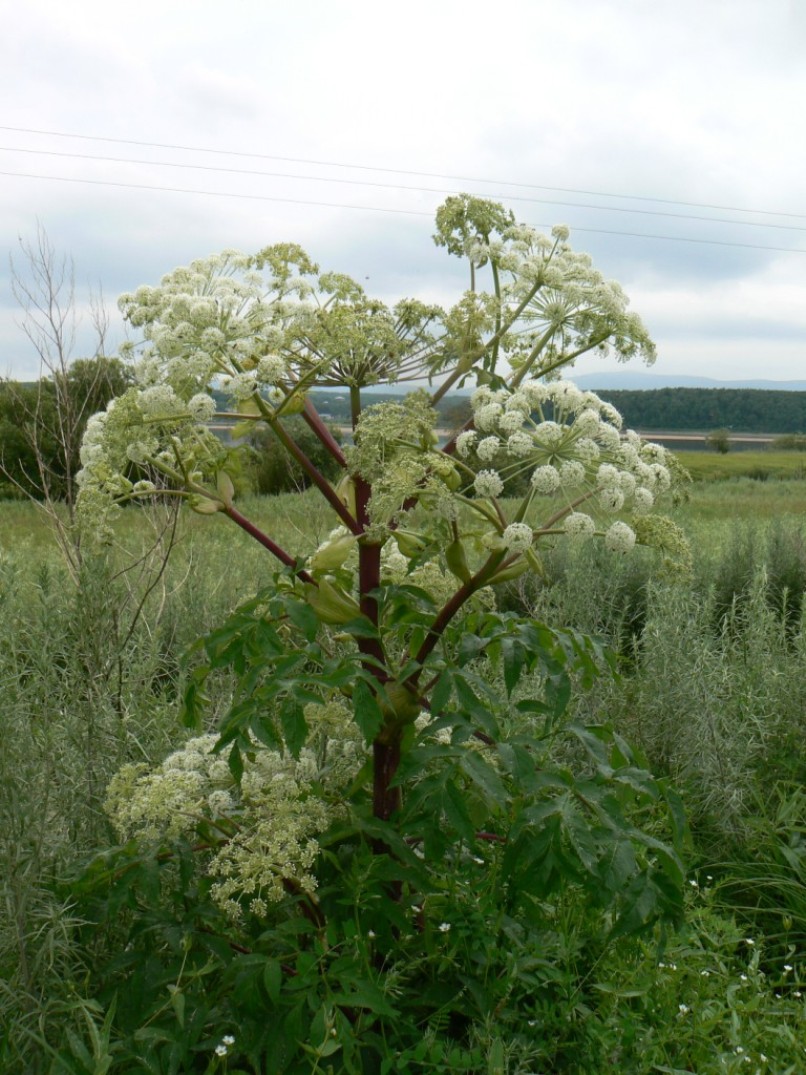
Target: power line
point(400, 171)
point(398, 186)
point(383, 209)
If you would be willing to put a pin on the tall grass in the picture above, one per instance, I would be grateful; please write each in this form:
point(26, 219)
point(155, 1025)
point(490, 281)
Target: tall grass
point(711, 688)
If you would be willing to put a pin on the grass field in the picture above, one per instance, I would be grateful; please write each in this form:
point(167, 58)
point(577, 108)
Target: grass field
point(711, 690)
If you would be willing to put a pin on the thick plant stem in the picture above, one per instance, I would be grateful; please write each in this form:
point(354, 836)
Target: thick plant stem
point(386, 800)
point(450, 609)
point(267, 543)
point(314, 421)
point(321, 483)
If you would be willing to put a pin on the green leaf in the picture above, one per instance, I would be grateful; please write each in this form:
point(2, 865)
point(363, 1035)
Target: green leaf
point(303, 617)
point(272, 979)
point(484, 777)
point(364, 994)
point(366, 711)
point(441, 694)
point(235, 762)
point(295, 728)
point(178, 1004)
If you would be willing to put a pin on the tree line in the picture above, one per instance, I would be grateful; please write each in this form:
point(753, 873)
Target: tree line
point(745, 410)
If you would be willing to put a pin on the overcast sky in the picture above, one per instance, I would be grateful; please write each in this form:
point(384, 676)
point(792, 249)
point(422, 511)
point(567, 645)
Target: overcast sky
point(680, 122)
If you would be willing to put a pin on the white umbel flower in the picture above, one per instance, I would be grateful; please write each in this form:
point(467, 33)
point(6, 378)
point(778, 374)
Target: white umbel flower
point(579, 525)
point(488, 483)
point(518, 537)
point(520, 444)
point(465, 442)
point(546, 479)
point(488, 448)
point(620, 538)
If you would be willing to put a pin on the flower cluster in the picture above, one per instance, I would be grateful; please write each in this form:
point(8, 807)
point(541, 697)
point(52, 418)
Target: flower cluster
point(570, 445)
point(566, 305)
point(268, 822)
point(152, 431)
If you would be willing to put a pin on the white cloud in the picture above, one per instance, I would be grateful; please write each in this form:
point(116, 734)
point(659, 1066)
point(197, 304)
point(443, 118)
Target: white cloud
point(680, 100)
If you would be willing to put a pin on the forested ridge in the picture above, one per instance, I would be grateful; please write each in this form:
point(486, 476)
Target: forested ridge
point(746, 410)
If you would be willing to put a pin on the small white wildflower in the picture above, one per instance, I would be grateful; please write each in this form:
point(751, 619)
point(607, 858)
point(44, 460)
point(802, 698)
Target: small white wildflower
point(371, 934)
point(228, 1039)
point(750, 941)
point(567, 396)
point(587, 423)
point(620, 538)
point(535, 393)
point(444, 927)
point(662, 477)
point(221, 1050)
point(587, 451)
point(683, 1009)
point(743, 977)
point(271, 369)
point(520, 403)
point(787, 968)
point(546, 479)
point(607, 476)
point(518, 537)
point(220, 802)
point(608, 437)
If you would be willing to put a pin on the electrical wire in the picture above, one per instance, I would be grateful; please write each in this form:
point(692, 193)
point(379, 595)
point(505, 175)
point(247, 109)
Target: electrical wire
point(399, 171)
point(384, 209)
point(399, 186)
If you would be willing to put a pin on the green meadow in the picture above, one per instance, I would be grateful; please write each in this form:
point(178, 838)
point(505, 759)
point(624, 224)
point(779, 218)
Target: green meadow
point(709, 691)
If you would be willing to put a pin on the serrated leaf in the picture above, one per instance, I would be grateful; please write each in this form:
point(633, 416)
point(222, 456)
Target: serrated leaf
point(294, 725)
point(484, 777)
point(441, 694)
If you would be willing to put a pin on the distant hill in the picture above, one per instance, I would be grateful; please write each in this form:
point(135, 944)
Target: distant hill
point(747, 410)
point(635, 380)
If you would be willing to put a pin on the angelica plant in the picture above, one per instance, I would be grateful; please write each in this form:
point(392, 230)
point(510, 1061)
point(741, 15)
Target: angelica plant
point(446, 705)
